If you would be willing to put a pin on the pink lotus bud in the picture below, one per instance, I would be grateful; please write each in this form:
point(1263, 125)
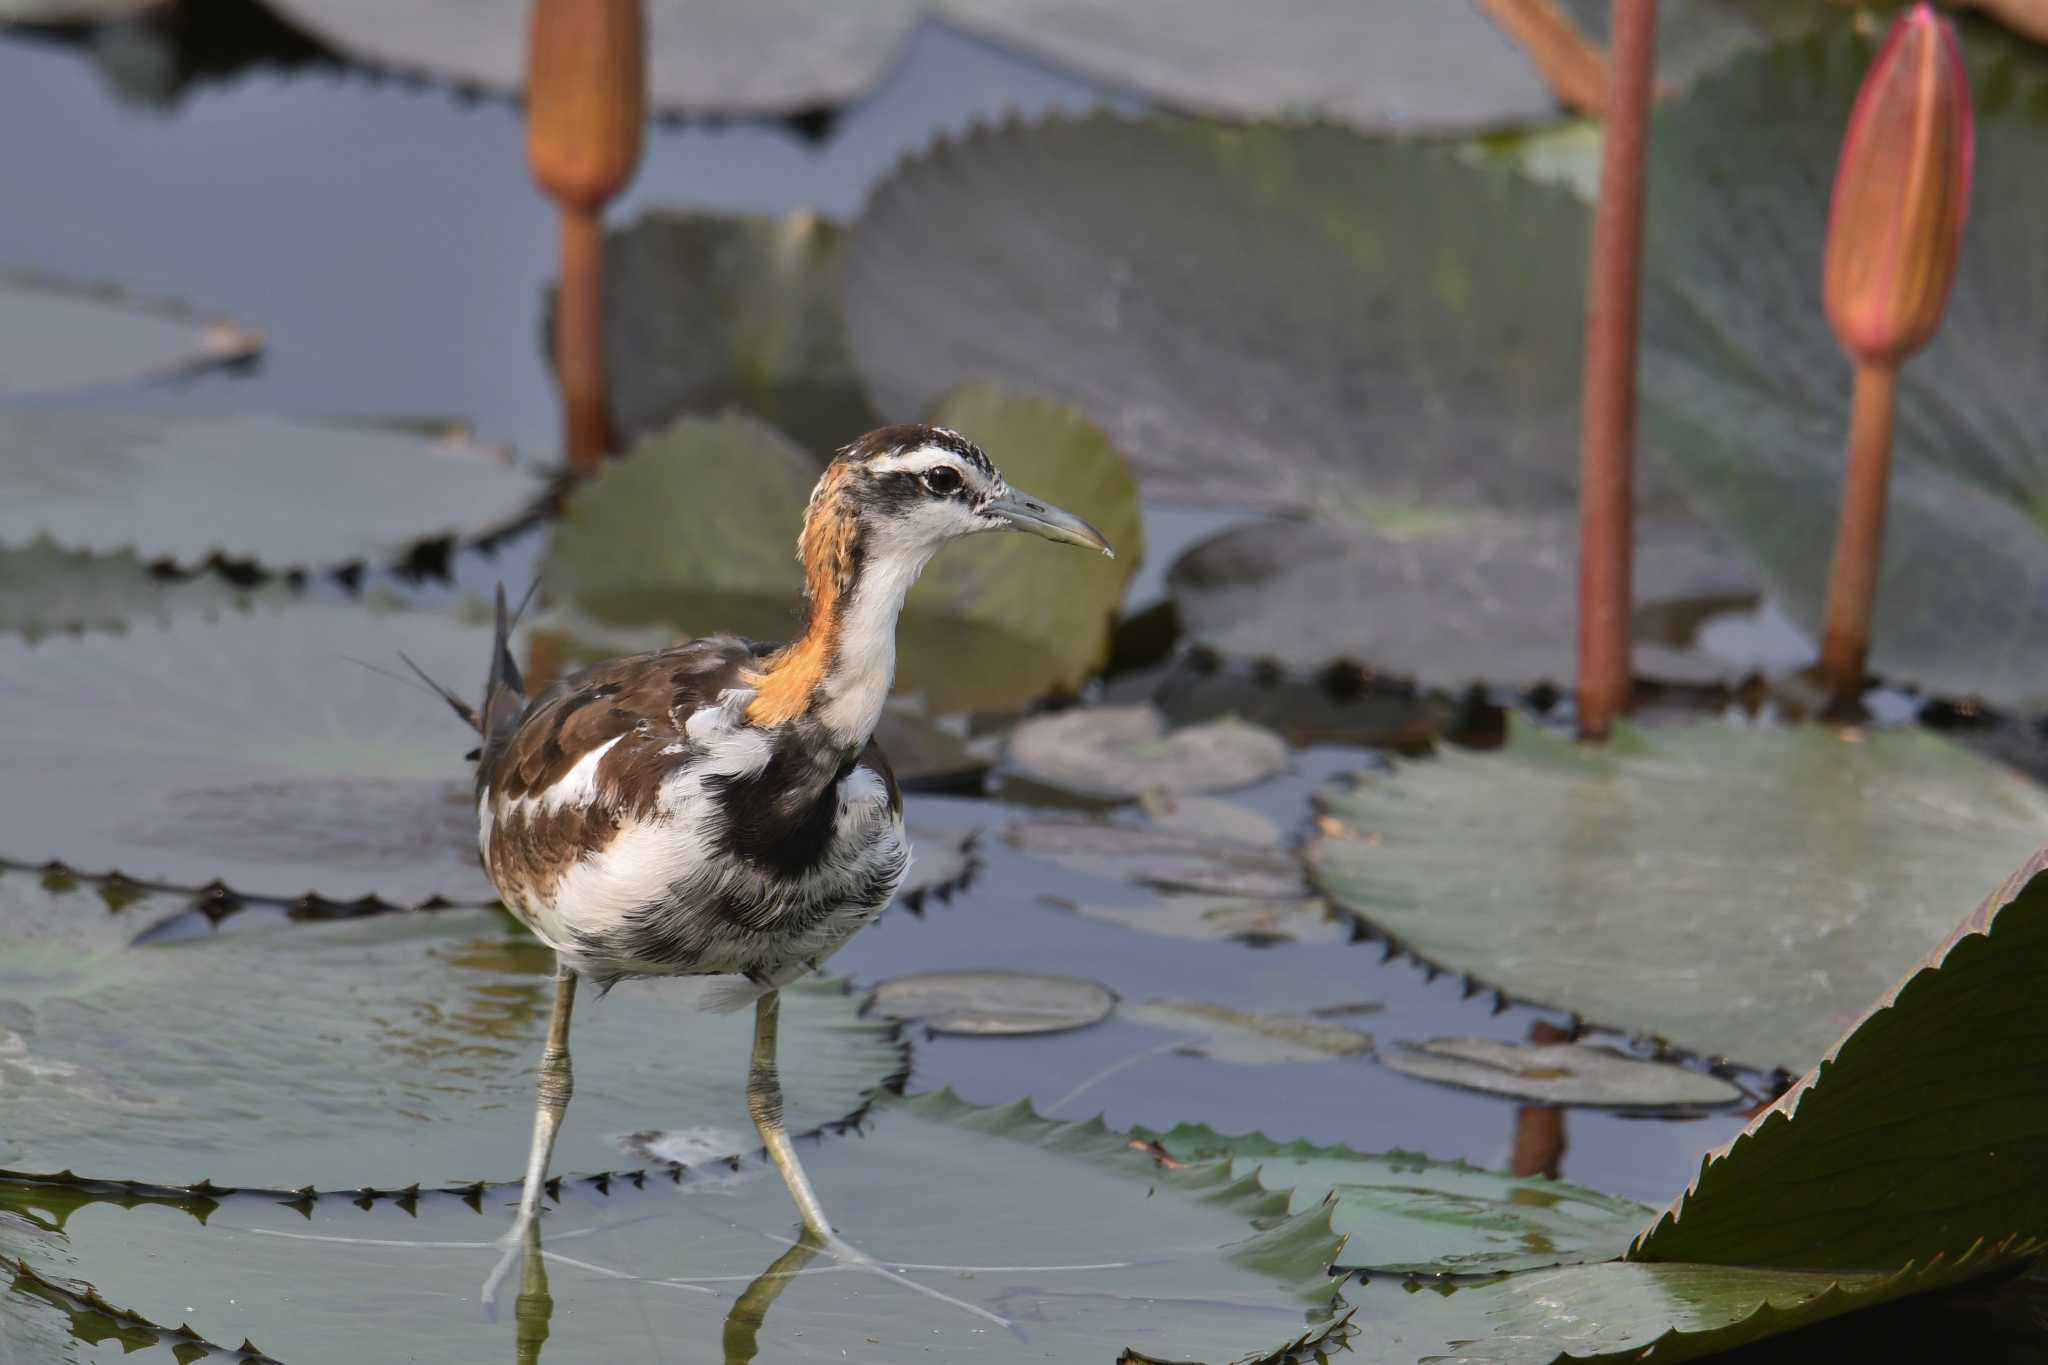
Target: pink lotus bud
point(1901, 192)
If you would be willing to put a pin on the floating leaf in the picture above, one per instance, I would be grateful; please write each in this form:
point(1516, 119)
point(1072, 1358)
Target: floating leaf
point(1082, 1242)
point(704, 312)
point(694, 531)
point(72, 11)
point(1169, 859)
point(45, 590)
point(1930, 1109)
point(1557, 1073)
point(787, 57)
point(1695, 36)
point(1231, 1035)
point(1207, 815)
point(56, 336)
point(1747, 394)
point(1490, 599)
point(251, 748)
point(1404, 1213)
point(1307, 919)
point(1122, 752)
point(387, 1052)
point(286, 494)
point(992, 1001)
point(1741, 892)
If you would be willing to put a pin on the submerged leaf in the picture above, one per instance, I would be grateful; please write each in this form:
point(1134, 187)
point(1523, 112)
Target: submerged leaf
point(1741, 892)
point(992, 1001)
point(1557, 1073)
point(386, 1052)
point(45, 590)
point(283, 493)
point(56, 336)
point(1306, 920)
point(1123, 752)
point(1231, 1035)
point(1169, 859)
point(1082, 1243)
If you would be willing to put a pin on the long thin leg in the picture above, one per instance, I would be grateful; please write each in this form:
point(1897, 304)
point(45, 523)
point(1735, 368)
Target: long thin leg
point(764, 1103)
point(553, 1090)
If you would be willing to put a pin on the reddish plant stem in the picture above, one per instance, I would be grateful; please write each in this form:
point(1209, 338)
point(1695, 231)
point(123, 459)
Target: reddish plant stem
point(1608, 413)
point(1859, 539)
point(579, 339)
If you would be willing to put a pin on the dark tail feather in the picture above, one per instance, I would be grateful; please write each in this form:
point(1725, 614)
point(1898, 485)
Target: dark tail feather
point(504, 690)
point(461, 707)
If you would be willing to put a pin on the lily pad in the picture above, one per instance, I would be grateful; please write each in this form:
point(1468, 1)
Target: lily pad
point(992, 1001)
point(1071, 1241)
point(1746, 393)
point(1248, 1037)
point(1405, 1213)
point(1558, 1073)
point(693, 531)
point(56, 336)
point(45, 590)
point(1407, 66)
point(779, 57)
point(1267, 316)
point(1741, 892)
point(1490, 599)
point(1307, 919)
point(1956, 1178)
point(705, 311)
point(1121, 752)
point(287, 494)
point(250, 748)
point(387, 1052)
point(1167, 859)
point(1208, 815)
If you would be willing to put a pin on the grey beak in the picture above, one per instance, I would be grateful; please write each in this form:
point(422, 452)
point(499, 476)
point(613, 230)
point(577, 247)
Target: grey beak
point(1041, 518)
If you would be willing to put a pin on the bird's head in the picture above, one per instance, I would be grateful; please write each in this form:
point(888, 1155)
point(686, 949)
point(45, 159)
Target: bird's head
point(904, 491)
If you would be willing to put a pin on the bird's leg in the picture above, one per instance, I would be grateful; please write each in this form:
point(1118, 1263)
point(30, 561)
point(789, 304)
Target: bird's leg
point(553, 1089)
point(764, 1103)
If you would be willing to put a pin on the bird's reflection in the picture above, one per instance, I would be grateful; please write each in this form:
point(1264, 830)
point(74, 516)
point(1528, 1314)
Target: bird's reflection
point(535, 1307)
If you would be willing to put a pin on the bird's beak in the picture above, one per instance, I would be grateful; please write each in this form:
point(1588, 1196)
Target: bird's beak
point(1026, 513)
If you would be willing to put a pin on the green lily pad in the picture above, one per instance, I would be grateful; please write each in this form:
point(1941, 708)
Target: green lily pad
point(1075, 1242)
point(56, 336)
point(1557, 1073)
point(1122, 752)
point(785, 57)
point(693, 531)
point(45, 590)
point(1209, 815)
point(386, 1052)
point(1307, 919)
point(1166, 859)
point(705, 311)
point(287, 494)
point(1405, 1213)
point(250, 748)
point(1741, 892)
point(1696, 36)
point(1249, 1037)
point(1931, 1109)
point(1746, 393)
point(992, 1001)
point(1482, 599)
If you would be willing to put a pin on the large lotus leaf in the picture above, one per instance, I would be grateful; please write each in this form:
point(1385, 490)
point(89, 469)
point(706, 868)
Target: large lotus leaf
point(1741, 892)
point(1268, 315)
point(1393, 65)
point(1488, 598)
point(1078, 1243)
point(704, 312)
point(56, 337)
point(1933, 1109)
point(1695, 36)
point(695, 531)
point(287, 494)
point(1747, 394)
point(1406, 1213)
point(703, 57)
point(251, 748)
point(386, 1051)
point(45, 590)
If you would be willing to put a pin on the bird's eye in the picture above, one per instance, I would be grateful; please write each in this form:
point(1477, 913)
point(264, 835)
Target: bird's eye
point(944, 480)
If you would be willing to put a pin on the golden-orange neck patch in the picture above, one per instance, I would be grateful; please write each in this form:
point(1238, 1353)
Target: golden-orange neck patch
point(789, 678)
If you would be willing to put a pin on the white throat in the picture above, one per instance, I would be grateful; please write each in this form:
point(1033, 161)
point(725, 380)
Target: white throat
point(864, 663)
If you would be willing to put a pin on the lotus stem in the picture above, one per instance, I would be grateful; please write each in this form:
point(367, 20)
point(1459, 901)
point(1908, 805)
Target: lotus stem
point(579, 340)
point(1859, 538)
point(1608, 413)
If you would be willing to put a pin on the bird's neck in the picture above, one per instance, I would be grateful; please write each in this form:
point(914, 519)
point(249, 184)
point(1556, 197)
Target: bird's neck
point(839, 670)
